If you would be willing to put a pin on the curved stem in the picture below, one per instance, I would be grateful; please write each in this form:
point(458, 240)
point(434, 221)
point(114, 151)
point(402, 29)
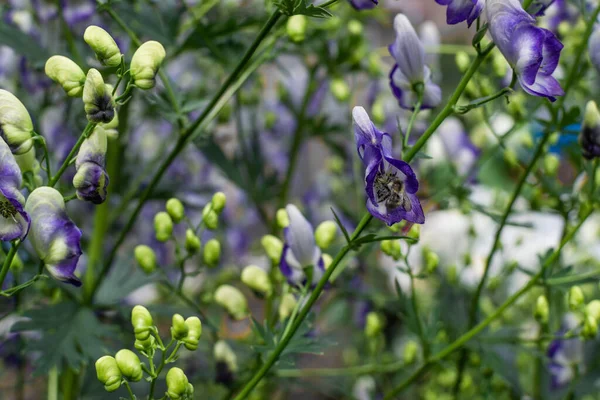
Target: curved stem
point(415, 306)
point(7, 261)
point(88, 129)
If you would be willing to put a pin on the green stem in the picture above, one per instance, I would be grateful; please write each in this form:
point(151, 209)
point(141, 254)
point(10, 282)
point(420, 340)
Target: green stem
point(462, 340)
point(415, 306)
point(573, 278)
point(8, 261)
point(131, 395)
point(159, 369)
point(358, 370)
point(88, 129)
point(482, 101)
point(539, 363)
point(53, 383)
point(413, 117)
point(274, 356)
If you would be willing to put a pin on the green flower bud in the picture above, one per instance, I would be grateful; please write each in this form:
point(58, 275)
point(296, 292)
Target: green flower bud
point(257, 279)
point(16, 127)
point(145, 63)
point(212, 253)
point(177, 384)
point(287, 305)
point(28, 162)
point(325, 234)
point(105, 47)
point(218, 202)
point(410, 352)
point(340, 90)
point(108, 373)
point(415, 232)
point(327, 260)
point(463, 61)
point(210, 217)
point(179, 329)
point(273, 247)
point(129, 364)
point(282, 218)
point(175, 210)
point(142, 322)
point(374, 324)
point(392, 248)
point(230, 298)
point(296, 27)
point(593, 309)
point(542, 309)
point(223, 353)
point(590, 327)
point(374, 64)
point(499, 65)
point(67, 74)
point(97, 99)
point(146, 258)
point(355, 27)
point(194, 326)
point(163, 226)
point(551, 164)
point(576, 298)
point(145, 345)
point(431, 260)
point(192, 242)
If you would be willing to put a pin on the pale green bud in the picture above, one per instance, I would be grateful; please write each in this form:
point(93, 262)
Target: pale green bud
point(179, 329)
point(355, 27)
point(194, 326)
point(233, 300)
point(212, 253)
point(392, 248)
point(111, 129)
point(177, 384)
point(378, 112)
point(282, 218)
point(542, 309)
point(142, 322)
point(103, 44)
point(28, 162)
point(551, 164)
point(223, 353)
point(576, 298)
point(145, 345)
point(374, 64)
point(219, 200)
point(591, 117)
point(296, 27)
point(410, 352)
point(145, 64)
point(210, 217)
point(415, 232)
point(327, 260)
point(463, 61)
point(108, 373)
point(175, 209)
point(273, 247)
point(192, 242)
point(590, 327)
point(374, 324)
point(431, 260)
point(163, 226)
point(340, 90)
point(593, 309)
point(129, 364)
point(146, 258)
point(325, 234)
point(97, 98)
point(16, 127)
point(287, 305)
point(66, 73)
point(257, 279)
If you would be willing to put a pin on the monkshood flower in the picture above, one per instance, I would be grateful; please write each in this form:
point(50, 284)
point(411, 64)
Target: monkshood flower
point(532, 52)
point(54, 236)
point(97, 98)
point(566, 355)
point(364, 4)
point(145, 63)
point(15, 123)
point(105, 47)
point(14, 221)
point(391, 184)
point(66, 73)
point(589, 138)
point(410, 76)
point(300, 250)
point(462, 10)
point(91, 179)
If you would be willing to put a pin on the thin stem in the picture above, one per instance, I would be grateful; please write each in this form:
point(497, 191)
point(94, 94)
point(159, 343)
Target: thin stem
point(413, 117)
point(415, 306)
point(462, 340)
point(573, 278)
point(53, 383)
point(539, 363)
point(482, 101)
point(274, 356)
point(358, 370)
point(131, 395)
point(88, 129)
point(159, 369)
point(8, 261)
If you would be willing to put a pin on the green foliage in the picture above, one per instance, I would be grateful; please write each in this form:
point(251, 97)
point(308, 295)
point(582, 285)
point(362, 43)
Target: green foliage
point(300, 7)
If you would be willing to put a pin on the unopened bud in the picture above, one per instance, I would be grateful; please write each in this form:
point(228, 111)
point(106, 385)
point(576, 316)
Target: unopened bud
point(257, 279)
point(431, 260)
point(146, 258)
point(16, 127)
point(219, 200)
point(179, 329)
point(374, 324)
point(103, 44)
point(97, 99)
point(108, 373)
point(175, 209)
point(287, 305)
point(230, 298)
point(273, 247)
point(340, 90)
point(463, 61)
point(392, 248)
point(590, 327)
point(593, 309)
point(576, 298)
point(66, 73)
point(163, 226)
point(327, 260)
point(223, 353)
point(410, 352)
point(145, 345)
point(142, 322)
point(589, 138)
point(296, 27)
point(177, 384)
point(355, 27)
point(192, 242)
point(212, 253)
point(145, 64)
point(551, 164)
point(542, 309)
point(283, 220)
point(194, 326)
point(129, 364)
point(415, 232)
point(325, 234)
point(210, 217)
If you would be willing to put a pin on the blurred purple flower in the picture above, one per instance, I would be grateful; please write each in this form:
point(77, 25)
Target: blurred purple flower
point(14, 221)
point(462, 10)
point(532, 52)
point(391, 184)
point(363, 4)
point(565, 355)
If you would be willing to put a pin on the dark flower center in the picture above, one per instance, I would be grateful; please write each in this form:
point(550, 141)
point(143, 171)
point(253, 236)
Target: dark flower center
point(390, 189)
point(7, 210)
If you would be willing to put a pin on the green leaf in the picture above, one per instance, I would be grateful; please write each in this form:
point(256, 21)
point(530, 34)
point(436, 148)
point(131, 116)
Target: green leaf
point(480, 34)
point(339, 222)
point(23, 44)
point(300, 7)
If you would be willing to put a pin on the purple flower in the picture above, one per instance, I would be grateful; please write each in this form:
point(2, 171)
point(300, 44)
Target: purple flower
point(462, 10)
point(532, 52)
point(300, 249)
point(391, 184)
point(594, 49)
point(14, 221)
point(565, 355)
point(91, 179)
point(538, 7)
point(364, 4)
point(54, 236)
point(410, 75)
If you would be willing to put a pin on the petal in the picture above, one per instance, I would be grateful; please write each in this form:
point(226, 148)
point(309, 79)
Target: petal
point(408, 50)
point(544, 86)
point(364, 130)
point(529, 42)
point(290, 268)
point(551, 52)
point(432, 95)
point(410, 179)
point(299, 236)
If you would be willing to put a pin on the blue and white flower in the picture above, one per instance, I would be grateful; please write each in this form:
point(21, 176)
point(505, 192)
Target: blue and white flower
point(14, 221)
point(462, 10)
